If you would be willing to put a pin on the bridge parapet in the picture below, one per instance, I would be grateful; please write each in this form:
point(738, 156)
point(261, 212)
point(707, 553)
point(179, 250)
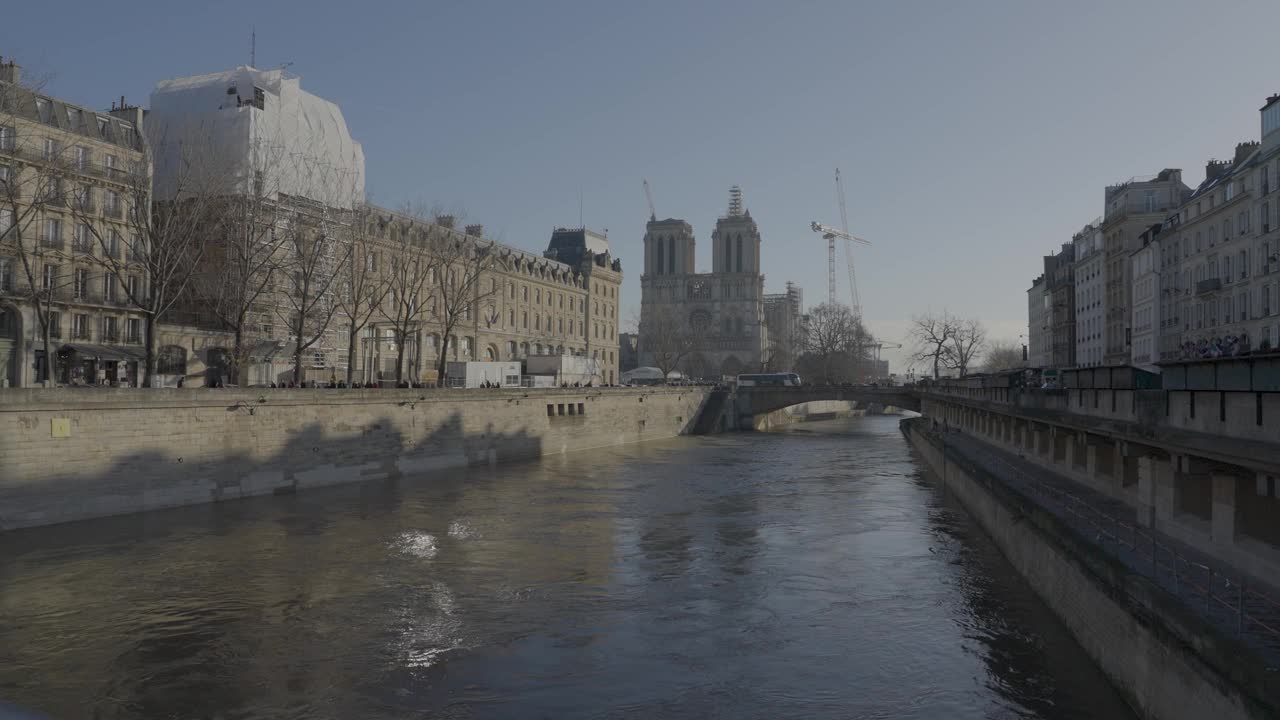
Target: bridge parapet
point(753, 401)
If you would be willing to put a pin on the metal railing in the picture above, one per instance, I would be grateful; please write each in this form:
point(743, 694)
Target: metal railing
point(1225, 597)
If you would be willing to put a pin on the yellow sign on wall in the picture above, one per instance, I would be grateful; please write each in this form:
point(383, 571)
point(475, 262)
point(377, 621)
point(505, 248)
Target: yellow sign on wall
point(60, 427)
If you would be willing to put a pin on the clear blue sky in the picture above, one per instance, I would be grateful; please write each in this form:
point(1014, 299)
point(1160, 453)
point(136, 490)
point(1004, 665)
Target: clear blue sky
point(974, 136)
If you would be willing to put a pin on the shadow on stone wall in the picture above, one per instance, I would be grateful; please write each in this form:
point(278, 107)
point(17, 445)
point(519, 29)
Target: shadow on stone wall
point(312, 457)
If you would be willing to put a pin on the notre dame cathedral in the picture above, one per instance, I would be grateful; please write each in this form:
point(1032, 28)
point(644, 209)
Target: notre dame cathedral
point(723, 310)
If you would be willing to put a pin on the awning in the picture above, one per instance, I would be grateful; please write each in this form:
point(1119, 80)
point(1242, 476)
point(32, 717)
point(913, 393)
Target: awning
point(104, 352)
point(265, 350)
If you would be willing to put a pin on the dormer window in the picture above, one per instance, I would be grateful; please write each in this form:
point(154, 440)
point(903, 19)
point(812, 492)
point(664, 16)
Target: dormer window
point(44, 110)
point(259, 98)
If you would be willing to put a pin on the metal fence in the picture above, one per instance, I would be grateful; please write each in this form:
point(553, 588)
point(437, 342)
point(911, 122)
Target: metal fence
point(1225, 597)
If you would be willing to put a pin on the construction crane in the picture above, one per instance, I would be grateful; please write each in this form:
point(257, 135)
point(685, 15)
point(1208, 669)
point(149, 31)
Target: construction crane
point(648, 195)
point(879, 345)
point(830, 234)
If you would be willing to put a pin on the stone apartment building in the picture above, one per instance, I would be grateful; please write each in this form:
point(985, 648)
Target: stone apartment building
point(1130, 208)
point(64, 167)
point(1090, 290)
point(1059, 274)
point(1221, 266)
point(563, 302)
point(1146, 318)
point(1039, 332)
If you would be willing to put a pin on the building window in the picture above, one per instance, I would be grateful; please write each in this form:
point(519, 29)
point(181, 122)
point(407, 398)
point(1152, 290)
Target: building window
point(6, 137)
point(81, 277)
point(134, 331)
point(49, 279)
point(55, 324)
point(110, 329)
point(52, 148)
point(109, 288)
point(83, 157)
point(171, 360)
point(80, 327)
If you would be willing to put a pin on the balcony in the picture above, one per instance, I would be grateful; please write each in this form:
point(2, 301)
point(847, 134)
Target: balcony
point(1211, 285)
point(110, 335)
point(115, 212)
point(51, 242)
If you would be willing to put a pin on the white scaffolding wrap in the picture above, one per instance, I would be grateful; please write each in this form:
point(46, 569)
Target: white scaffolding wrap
point(254, 125)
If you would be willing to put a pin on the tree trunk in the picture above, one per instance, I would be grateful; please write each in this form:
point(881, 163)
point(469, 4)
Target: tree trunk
point(352, 334)
point(236, 353)
point(399, 357)
point(149, 356)
point(48, 356)
point(297, 355)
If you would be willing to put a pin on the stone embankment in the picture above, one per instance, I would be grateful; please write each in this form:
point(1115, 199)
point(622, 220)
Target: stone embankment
point(1169, 661)
point(77, 454)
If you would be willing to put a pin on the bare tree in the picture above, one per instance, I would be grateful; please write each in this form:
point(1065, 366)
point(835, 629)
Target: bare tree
point(315, 257)
point(363, 289)
point(1002, 355)
point(237, 278)
point(32, 200)
point(167, 236)
point(411, 270)
point(464, 263)
point(932, 337)
point(666, 337)
point(836, 344)
point(967, 343)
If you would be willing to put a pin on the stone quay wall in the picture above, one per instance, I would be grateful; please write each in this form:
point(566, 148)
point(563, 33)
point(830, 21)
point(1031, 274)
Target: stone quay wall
point(1169, 663)
point(75, 454)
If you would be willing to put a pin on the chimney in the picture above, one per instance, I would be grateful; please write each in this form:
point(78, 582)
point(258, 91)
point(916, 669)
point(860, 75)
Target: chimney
point(1215, 168)
point(1243, 149)
point(10, 72)
point(445, 221)
point(475, 231)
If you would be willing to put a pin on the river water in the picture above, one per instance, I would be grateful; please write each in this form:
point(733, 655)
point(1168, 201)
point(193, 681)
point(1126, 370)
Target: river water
point(807, 573)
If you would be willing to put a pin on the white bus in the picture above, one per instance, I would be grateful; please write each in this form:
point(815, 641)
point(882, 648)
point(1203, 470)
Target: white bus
point(763, 379)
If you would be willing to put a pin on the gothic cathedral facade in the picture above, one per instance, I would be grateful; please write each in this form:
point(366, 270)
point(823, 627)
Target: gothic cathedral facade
point(720, 312)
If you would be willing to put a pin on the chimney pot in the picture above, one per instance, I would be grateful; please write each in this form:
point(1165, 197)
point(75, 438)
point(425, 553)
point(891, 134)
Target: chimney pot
point(476, 230)
point(445, 221)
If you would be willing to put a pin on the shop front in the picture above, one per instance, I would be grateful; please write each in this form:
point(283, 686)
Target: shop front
point(109, 365)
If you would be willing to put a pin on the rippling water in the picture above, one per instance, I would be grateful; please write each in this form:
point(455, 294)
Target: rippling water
point(808, 573)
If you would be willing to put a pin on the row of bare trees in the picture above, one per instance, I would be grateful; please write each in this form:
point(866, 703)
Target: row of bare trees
point(223, 241)
point(834, 345)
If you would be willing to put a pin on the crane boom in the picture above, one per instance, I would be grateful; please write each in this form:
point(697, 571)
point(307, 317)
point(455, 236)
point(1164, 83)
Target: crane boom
point(648, 195)
point(848, 249)
point(833, 232)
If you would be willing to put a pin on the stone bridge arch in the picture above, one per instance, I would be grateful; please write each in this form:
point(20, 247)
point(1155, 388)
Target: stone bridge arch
point(755, 403)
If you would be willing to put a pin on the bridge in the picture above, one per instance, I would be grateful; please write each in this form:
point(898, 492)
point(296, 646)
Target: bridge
point(750, 403)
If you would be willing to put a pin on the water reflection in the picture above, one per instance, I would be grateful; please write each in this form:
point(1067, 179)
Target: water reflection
point(806, 573)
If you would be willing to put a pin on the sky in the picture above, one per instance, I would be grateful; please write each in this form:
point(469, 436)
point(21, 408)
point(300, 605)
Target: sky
point(974, 137)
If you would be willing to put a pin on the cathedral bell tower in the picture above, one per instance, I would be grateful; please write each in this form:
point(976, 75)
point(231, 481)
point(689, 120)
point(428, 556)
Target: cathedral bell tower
point(736, 240)
point(668, 248)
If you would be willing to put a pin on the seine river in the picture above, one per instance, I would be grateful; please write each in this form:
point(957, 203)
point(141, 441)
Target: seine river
point(807, 573)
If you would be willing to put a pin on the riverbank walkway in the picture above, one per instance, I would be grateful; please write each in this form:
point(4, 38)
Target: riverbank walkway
point(1236, 604)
